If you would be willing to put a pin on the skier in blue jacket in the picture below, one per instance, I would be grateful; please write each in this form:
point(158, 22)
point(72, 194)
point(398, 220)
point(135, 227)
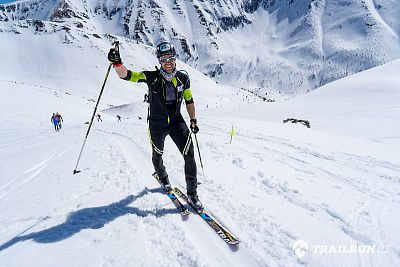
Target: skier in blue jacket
point(55, 120)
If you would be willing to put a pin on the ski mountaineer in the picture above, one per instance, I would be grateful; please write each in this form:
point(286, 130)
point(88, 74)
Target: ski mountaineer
point(54, 120)
point(60, 119)
point(167, 89)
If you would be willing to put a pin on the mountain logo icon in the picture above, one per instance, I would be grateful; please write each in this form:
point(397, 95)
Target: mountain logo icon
point(300, 248)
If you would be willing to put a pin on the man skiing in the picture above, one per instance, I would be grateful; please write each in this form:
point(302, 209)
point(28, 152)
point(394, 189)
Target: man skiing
point(54, 120)
point(99, 118)
point(167, 89)
point(60, 119)
point(119, 118)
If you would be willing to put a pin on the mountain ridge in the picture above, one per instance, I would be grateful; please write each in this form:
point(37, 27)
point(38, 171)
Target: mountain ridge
point(287, 47)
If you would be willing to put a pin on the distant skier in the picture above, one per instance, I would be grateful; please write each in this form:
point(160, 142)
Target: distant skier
point(54, 120)
point(60, 119)
point(168, 87)
point(99, 118)
point(118, 117)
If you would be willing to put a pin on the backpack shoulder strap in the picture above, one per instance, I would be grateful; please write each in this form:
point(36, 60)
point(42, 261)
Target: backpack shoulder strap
point(182, 76)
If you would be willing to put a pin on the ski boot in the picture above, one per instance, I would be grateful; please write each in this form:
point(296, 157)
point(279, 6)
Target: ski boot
point(195, 202)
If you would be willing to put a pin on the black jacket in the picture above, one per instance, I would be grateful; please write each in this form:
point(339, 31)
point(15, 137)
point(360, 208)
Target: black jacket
point(161, 114)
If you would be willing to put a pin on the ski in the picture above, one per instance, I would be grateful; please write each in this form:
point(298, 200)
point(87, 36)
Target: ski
point(179, 206)
point(217, 227)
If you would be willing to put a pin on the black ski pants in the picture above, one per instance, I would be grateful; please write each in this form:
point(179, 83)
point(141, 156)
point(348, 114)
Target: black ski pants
point(179, 133)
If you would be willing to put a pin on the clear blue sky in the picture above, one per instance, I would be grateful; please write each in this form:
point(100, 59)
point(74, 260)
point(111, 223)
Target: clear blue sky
point(6, 1)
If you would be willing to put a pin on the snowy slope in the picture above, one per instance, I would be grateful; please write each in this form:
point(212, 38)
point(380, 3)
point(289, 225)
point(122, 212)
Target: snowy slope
point(336, 184)
point(354, 105)
point(54, 61)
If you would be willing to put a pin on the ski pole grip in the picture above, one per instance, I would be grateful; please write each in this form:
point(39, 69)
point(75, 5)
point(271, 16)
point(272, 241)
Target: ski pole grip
point(116, 43)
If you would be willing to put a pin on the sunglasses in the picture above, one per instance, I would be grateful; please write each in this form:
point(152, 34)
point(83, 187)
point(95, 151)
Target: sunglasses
point(167, 59)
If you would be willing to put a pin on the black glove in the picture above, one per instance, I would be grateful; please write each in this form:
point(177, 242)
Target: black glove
point(193, 126)
point(114, 57)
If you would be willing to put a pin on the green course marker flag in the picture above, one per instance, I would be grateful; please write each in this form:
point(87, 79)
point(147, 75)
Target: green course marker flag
point(232, 134)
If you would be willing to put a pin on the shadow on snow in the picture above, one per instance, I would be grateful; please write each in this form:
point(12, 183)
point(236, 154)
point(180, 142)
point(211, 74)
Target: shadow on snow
point(90, 218)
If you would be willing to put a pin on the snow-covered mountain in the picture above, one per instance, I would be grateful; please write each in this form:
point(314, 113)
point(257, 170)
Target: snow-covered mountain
point(322, 196)
point(267, 47)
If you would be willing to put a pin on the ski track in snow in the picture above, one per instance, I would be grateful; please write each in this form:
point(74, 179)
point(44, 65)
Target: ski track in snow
point(35, 170)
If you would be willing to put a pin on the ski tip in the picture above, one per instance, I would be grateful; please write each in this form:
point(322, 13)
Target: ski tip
point(234, 246)
point(234, 242)
point(75, 172)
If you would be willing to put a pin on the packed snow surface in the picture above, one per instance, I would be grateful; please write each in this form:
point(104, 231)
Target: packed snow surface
point(336, 184)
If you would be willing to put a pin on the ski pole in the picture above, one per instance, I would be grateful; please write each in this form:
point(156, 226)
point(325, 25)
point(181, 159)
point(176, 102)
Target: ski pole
point(198, 149)
point(116, 43)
